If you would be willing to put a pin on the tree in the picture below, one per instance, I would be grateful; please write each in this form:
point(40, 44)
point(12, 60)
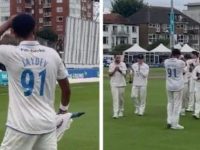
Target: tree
point(120, 48)
point(158, 42)
point(126, 7)
point(47, 34)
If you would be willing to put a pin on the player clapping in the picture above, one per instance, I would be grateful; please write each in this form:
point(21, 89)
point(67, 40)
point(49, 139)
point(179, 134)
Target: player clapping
point(117, 72)
point(139, 88)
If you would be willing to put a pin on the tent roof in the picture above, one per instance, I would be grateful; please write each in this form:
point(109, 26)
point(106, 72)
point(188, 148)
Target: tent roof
point(136, 48)
point(161, 49)
point(178, 46)
point(186, 48)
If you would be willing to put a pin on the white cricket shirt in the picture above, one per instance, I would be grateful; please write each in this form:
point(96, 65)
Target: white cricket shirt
point(118, 79)
point(195, 72)
point(32, 72)
point(174, 74)
point(141, 73)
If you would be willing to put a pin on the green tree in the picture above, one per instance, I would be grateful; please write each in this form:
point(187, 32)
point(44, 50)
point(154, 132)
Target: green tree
point(156, 43)
point(126, 7)
point(47, 34)
point(120, 48)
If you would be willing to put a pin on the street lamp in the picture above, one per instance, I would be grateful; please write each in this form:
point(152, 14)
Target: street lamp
point(172, 25)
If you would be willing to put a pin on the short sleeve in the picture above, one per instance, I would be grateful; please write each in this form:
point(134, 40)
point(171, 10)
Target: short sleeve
point(4, 52)
point(62, 71)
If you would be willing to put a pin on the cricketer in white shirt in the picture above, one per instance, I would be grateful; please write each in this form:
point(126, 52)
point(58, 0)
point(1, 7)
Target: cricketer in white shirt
point(139, 87)
point(117, 73)
point(32, 70)
point(186, 77)
point(196, 77)
point(191, 64)
point(174, 85)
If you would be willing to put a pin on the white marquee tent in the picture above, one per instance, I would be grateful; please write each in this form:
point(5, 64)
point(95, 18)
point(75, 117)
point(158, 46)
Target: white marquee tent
point(187, 49)
point(136, 48)
point(131, 54)
point(161, 49)
point(178, 46)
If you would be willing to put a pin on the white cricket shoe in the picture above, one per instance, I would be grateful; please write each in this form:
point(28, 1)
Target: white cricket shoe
point(115, 116)
point(196, 116)
point(136, 111)
point(177, 127)
point(121, 114)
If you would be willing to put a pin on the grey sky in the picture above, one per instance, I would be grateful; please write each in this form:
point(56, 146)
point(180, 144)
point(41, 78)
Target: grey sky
point(179, 4)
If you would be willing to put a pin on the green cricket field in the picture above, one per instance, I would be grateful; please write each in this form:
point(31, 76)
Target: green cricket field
point(148, 132)
point(84, 131)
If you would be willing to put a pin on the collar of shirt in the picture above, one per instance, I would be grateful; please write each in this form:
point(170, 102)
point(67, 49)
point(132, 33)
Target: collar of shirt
point(29, 43)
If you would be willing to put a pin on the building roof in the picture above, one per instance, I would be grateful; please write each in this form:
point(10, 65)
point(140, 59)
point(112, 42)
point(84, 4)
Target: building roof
point(136, 48)
point(155, 14)
point(114, 18)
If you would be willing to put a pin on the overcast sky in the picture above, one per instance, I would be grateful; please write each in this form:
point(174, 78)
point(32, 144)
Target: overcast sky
point(179, 4)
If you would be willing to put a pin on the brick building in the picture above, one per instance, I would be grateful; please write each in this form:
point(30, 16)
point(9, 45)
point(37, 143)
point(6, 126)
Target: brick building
point(51, 13)
point(153, 25)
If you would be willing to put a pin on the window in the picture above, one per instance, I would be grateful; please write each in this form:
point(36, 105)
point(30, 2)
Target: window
point(180, 38)
point(152, 38)
point(105, 40)
point(115, 29)
point(89, 6)
point(133, 29)
point(19, 1)
point(59, 27)
point(123, 40)
point(89, 14)
point(40, 11)
point(127, 28)
point(134, 40)
point(105, 28)
point(40, 2)
point(19, 9)
point(59, 1)
point(59, 19)
point(40, 20)
point(59, 9)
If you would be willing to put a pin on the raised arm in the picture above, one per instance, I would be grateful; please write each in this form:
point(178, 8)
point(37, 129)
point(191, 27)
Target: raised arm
point(5, 26)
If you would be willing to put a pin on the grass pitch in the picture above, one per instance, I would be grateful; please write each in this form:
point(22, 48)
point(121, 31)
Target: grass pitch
point(148, 132)
point(84, 132)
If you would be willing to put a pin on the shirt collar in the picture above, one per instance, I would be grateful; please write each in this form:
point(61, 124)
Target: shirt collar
point(29, 43)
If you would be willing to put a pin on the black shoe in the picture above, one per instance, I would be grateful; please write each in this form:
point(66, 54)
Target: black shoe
point(169, 126)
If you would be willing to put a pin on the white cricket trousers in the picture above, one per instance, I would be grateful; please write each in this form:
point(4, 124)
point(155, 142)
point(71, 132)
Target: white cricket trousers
point(174, 107)
point(197, 103)
point(191, 95)
point(185, 97)
point(118, 99)
point(139, 94)
point(15, 140)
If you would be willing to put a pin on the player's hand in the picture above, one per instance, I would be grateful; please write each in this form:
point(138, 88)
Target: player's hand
point(10, 20)
point(60, 111)
point(116, 68)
